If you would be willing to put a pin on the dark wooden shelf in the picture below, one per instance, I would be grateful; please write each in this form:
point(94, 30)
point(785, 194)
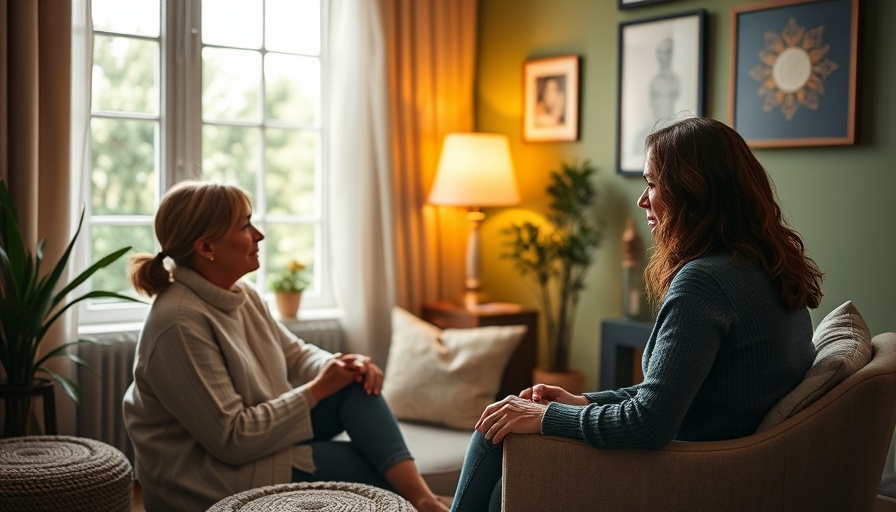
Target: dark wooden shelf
point(621, 345)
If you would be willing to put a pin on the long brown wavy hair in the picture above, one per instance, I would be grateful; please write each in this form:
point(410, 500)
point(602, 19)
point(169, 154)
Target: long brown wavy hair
point(718, 197)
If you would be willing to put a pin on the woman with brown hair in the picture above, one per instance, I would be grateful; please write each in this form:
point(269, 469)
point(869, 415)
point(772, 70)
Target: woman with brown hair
point(224, 398)
point(730, 283)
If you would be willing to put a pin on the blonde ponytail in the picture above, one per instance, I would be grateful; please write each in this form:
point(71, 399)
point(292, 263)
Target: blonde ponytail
point(148, 273)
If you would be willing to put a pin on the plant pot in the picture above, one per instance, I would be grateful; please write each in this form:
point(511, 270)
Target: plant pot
point(288, 303)
point(20, 409)
point(570, 380)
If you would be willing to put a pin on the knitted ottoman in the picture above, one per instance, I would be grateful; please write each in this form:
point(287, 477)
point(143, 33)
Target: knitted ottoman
point(316, 496)
point(63, 473)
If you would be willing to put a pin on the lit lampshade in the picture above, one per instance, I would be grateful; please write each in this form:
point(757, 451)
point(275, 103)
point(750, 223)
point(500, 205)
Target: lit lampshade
point(475, 170)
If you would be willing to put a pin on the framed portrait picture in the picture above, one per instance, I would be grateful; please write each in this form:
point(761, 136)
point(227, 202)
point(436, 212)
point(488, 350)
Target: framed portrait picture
point(661, 68)
point(551, 99)
point(793, 73)
point(631, 4)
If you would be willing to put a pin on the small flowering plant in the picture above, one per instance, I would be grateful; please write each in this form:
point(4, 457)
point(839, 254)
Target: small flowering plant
point(292, 279)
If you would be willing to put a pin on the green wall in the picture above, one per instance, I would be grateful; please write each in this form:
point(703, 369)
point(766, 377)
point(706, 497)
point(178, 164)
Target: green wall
point(841, 198)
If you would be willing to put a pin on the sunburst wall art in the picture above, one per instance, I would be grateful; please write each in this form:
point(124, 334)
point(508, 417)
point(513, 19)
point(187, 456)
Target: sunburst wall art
point(793, 73)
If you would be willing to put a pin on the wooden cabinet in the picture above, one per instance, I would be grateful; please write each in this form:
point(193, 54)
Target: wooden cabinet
point(518, 374)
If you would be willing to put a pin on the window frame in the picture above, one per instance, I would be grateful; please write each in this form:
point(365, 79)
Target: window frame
point(180, 142)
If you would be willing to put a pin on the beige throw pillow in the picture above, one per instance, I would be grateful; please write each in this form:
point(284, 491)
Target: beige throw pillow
point(445, 377)
point(842, 346)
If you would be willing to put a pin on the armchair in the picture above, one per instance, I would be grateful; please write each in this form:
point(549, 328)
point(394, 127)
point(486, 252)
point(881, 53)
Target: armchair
point(829, 456)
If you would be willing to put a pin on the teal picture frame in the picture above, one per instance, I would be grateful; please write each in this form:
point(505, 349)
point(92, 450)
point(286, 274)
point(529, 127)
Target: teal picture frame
point(793, 73)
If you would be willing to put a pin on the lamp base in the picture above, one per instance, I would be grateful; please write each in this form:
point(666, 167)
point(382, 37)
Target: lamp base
point(473, 298)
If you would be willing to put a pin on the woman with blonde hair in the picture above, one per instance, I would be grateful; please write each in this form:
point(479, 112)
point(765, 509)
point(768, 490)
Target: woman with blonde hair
point(730, 283)
point(224, 398)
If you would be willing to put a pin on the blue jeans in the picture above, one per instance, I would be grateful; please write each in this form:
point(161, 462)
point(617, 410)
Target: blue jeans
point(376, 443)
point(479, 488)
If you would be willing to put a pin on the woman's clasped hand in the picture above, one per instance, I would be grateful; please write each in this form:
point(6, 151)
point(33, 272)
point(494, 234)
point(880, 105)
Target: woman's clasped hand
point(345, 369)
point(522, 414)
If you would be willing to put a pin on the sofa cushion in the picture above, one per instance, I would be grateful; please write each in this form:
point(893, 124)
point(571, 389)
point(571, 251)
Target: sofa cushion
point(438, 453)
point(842, 345)
point(445, 377)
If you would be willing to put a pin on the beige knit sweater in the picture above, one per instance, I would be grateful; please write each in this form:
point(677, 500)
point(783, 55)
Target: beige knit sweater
point(220, 397)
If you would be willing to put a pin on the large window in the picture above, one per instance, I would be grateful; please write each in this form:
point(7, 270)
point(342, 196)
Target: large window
point(227, 90)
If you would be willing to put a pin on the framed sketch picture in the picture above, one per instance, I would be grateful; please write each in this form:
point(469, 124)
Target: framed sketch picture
point(793, 73)
point(631, 4)
point(661, 68)
point(551, 99)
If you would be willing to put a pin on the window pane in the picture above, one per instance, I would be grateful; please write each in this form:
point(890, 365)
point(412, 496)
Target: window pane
point(231, 84)
point(284, 242)
point(125, 75)
point(291, 160)
point(292, 88)
point(231, 154)
point(292, 26)
point(125, 159)
point(107, 239)
point(260, 79)
point(140, 17)
point(232, 23)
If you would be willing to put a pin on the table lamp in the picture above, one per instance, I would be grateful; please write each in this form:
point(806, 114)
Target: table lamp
point(475, 170)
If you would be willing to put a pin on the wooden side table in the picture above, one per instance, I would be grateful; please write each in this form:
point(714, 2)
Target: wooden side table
point(518, 374)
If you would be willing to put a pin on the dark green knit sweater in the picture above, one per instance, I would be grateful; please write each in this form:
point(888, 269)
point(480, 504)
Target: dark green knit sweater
point(722, 353)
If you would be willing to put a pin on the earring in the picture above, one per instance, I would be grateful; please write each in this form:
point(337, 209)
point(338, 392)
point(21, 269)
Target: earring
point(211, 258)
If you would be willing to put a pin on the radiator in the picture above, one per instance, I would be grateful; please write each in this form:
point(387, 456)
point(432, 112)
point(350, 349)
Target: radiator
point(326, 333)
point(99, 413)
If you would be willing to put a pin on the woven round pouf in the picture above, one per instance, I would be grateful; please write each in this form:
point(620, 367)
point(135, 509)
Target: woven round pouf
point(316, 496)
point(63, 473)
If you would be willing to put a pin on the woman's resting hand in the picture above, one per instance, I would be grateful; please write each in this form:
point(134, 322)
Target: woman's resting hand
point(544, 394)
point(369, 374)
point(337, 373)
point(512, 415)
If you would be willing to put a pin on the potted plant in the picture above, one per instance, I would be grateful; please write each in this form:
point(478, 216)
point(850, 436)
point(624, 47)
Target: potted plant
point(554, 257)
point(288, 287)
point(29, 305)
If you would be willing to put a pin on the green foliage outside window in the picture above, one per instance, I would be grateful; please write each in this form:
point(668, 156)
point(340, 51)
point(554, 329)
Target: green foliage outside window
point(126, 146)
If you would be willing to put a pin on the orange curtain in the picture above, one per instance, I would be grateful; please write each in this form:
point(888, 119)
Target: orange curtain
point(35, 104)
point(431, 56)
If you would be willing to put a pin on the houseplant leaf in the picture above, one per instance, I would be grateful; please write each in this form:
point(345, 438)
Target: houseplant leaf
point(30, 303)
point(554, 257)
